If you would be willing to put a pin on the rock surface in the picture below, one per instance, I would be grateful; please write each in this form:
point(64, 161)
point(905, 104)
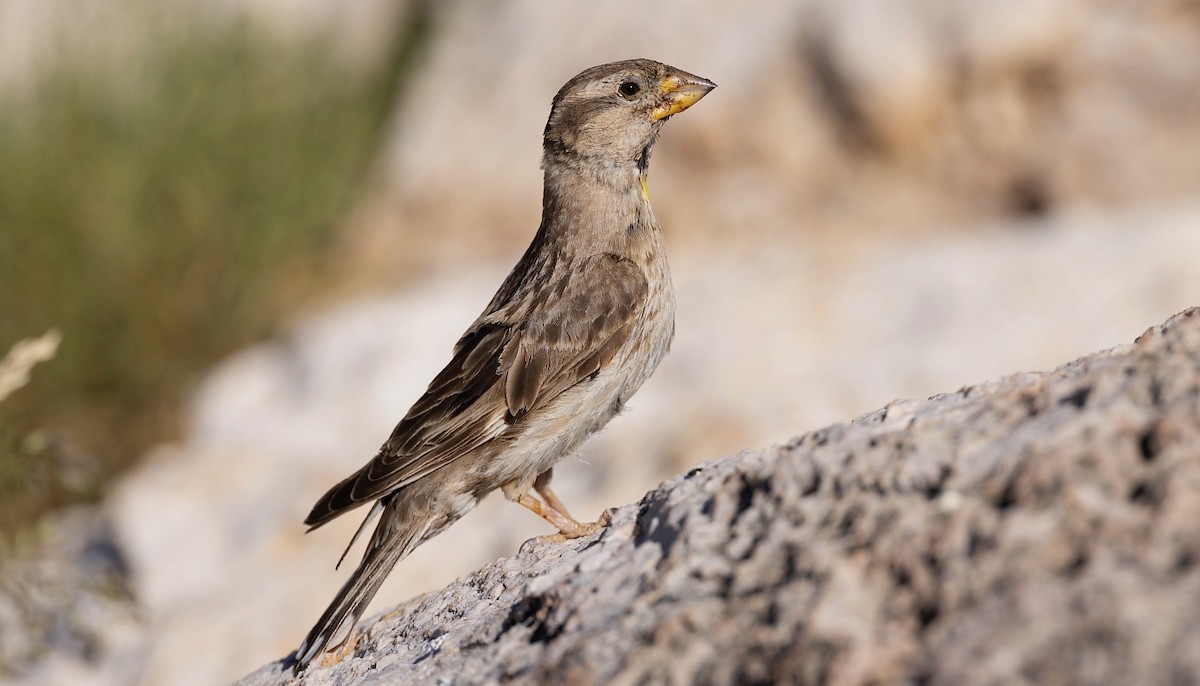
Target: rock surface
point(211, 526)
point(1044, 528)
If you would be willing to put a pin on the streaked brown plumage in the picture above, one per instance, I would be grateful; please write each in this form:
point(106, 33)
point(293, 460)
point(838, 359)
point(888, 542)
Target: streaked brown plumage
point(576, 328)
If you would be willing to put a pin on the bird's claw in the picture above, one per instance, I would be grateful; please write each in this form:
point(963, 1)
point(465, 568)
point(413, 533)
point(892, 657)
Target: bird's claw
point(579, 529)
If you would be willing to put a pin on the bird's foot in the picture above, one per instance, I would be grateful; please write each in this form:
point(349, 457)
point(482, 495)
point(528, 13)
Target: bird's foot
point(572, 529)
point(552, 511)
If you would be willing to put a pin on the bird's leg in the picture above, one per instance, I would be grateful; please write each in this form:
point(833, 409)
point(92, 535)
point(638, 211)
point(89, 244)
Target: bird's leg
point(553, 510)
point(542, 486)
point(567, 527)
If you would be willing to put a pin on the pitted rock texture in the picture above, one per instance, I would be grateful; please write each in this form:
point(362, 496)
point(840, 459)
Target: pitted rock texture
point(1043, 529)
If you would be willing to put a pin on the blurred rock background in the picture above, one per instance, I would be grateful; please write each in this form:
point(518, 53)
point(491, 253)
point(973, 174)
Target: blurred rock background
point(260, 226)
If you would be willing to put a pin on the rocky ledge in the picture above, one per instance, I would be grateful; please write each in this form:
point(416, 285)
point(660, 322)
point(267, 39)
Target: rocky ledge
point(1044, 529)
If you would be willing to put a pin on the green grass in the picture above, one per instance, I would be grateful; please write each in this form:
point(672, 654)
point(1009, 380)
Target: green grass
point(161, 217)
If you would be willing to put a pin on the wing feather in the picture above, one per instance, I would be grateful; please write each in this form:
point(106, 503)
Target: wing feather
point(575, 334)
point(515, 359)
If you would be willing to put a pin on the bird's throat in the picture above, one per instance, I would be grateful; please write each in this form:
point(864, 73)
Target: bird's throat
point(607, 203)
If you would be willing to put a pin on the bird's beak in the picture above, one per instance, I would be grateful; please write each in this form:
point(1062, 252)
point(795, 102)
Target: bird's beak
point(680, 91)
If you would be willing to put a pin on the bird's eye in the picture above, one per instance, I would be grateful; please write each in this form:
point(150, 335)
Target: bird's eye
point(629, 89)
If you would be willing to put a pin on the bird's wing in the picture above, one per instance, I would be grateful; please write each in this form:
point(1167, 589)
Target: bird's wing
point(573, 332)
point(511, 362)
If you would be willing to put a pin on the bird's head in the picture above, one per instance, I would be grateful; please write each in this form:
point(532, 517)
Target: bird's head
point(612, 113)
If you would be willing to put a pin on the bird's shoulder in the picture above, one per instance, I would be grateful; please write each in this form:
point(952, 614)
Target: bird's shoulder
point(556, 329)
point(572, 328)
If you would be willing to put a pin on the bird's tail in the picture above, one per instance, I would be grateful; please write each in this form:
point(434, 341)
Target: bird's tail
point(396, 535)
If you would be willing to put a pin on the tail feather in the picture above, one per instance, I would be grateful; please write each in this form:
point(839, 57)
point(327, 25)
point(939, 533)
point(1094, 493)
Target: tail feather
point(375, 510)
point(395, 537)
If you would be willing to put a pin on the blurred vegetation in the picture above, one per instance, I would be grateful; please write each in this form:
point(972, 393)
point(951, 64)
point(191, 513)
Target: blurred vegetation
point(161, 217)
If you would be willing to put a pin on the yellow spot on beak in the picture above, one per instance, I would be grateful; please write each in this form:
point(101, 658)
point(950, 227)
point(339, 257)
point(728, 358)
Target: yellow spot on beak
point(681, 92)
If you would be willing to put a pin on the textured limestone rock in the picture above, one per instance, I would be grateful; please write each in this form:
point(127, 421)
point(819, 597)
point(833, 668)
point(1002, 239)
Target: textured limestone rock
point(1044, 528)
point(211, 526)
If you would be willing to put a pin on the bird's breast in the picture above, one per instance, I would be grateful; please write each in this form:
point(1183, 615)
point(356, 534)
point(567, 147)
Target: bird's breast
point(655, 328)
